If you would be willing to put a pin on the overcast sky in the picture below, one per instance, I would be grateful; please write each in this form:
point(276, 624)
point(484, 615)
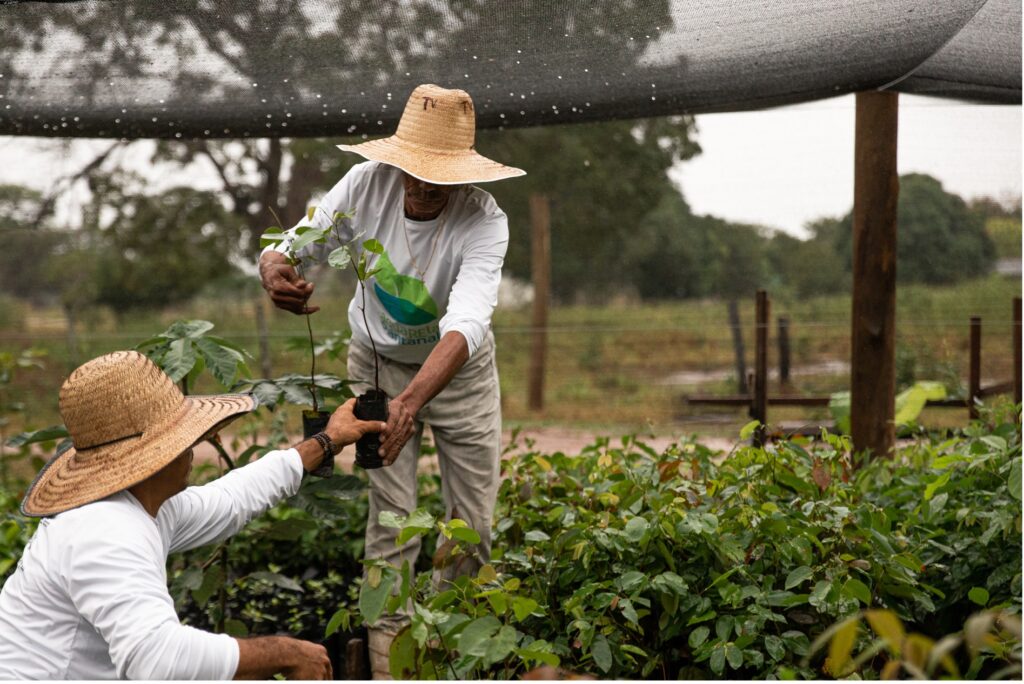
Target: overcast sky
point(779, 168)
point(785, 167)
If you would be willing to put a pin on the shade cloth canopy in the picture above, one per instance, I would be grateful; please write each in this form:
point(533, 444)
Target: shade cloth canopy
point(238, 68)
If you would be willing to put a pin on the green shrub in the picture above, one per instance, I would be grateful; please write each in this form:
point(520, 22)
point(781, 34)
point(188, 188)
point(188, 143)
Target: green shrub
point(625, 562)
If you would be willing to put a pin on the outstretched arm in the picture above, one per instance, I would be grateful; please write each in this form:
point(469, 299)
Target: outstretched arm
point(215, 511)
point(437, 371)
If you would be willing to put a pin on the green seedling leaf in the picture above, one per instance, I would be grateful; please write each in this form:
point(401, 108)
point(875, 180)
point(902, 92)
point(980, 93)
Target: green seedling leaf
point(698, 636)
point(373, 246)
point(776, 649)
point(309, 237)
point(747, 430)
point(476, 636)
point(1014, 479)
point(978, 595)
point(340, 258)
point(499, 648)
point(372, 598)
point(798, 576)
point(856, 589)
point(340, 619)
point(602, 653)
point(465, 534)
point(522, 607)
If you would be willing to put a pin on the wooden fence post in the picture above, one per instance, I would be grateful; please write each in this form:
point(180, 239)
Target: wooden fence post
point(355, 663)
point(974, 373)
point(760, 402)
point(742, 386)
point(540, 267)
point(1016, 350)
point(784, 350)
point(873, 348)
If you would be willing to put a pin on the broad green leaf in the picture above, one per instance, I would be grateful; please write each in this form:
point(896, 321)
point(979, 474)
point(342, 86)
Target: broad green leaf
point(340, 258)
point(698, 636)
point(734, 656)
point(213, 579)
point(223, 363)
point(402, 656)
point(476, 636)
point(487, 574)
point(536, 536)
point(373, 246)
point(887, 625)
point(858, 590)
point(841, 646)
point(1014, 479)
point(372, 599)
point(465, 534)
point(309, 237)
point(499, 647)
point(723, 627)
point(34, 437)
point(523, 607)
point(776, 649)
point(978, 595)
point(532, 657)
point(747, 430)
point(819, 593)
point(390, 519)
point(630, 580)
point(337, 620)
point(635, 529)
point(718, 660)
point(910, 402)
point(670, 582)
point(602, 653)
point(798, 576)
point(934, 485)
point(179, 359)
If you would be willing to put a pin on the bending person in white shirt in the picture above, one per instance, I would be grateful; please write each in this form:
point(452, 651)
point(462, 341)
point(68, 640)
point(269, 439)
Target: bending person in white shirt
point(89, 598)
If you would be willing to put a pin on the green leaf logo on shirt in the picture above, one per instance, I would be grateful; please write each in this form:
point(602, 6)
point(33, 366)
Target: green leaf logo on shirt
point(406, 299)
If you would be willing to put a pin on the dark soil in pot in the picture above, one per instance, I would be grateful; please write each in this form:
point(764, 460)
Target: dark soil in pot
point(371, 405)
point(312, 423)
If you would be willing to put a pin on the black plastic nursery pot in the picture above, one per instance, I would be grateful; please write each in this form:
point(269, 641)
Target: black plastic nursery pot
point(371, 405)
point(312, 423)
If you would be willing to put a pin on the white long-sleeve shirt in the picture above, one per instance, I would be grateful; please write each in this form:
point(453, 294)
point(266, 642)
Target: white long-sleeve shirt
point(460, 254)
point(89, 599)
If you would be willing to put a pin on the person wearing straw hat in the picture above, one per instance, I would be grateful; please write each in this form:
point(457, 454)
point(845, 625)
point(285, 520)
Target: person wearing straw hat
point(89, 598)
point(428, 312)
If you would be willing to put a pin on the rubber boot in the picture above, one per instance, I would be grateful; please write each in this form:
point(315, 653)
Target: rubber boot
point(380, 646)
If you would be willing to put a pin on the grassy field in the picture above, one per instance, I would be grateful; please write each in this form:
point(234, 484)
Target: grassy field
point(619, 368)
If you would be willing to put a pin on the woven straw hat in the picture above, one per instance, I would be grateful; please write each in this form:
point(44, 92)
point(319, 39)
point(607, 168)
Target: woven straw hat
point(434, 141)
point(127, 420)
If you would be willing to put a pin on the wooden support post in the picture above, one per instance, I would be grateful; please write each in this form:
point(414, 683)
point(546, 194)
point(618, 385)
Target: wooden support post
point(355, 663)
point(873, 357)
point(540, 266)
point(974, 374)
point(742, 386)
point(1016, 350)
point(784, 350)
point(760, 404)
point(263, 335)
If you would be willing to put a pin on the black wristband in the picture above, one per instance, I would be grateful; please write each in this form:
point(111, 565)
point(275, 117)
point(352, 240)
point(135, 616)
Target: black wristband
point(325, 443)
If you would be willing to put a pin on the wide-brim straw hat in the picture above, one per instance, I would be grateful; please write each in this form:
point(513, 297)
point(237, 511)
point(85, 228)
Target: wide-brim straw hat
point(434, 141)
point(127, 420)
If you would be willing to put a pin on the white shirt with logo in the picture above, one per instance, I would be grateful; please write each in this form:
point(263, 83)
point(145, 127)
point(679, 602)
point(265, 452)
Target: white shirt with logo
point(89, 599)
point(447, 282)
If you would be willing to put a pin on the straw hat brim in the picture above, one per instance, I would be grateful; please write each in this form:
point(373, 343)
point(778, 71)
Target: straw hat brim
point(75, 478)
point(440, 167)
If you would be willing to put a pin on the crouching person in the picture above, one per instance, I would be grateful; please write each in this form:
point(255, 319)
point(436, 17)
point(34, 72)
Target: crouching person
point(89, 598)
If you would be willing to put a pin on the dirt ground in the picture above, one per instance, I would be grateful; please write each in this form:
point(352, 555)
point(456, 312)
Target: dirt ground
point(547, 439)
